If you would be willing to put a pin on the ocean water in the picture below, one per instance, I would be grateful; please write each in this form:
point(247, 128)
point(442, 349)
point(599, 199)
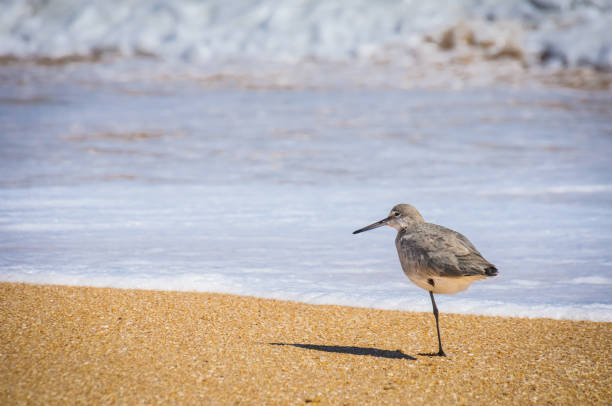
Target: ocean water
point(245, 171)
point(566, 33)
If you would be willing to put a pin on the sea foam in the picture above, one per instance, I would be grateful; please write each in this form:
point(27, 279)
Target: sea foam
point(554, 32)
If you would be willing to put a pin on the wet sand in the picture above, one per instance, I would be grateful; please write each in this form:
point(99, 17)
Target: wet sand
point(74, 345)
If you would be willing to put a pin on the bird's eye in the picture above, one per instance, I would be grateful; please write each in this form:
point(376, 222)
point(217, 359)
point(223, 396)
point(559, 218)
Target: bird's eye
point(396, 214)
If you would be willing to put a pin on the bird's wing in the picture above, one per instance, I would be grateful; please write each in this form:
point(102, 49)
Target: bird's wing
point(442, 251)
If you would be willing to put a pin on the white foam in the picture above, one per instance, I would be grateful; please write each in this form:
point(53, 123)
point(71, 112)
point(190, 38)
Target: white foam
point(402, 32)
point(553, 190)
point(135, 242)
point(592, 280)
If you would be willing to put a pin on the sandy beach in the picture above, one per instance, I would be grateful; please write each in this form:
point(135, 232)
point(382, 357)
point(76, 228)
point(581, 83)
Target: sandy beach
point(78, 345)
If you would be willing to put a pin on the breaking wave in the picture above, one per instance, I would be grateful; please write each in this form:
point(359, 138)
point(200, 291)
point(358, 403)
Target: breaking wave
point(559, 33)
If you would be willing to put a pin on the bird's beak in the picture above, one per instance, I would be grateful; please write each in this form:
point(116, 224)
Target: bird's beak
point(380, 223)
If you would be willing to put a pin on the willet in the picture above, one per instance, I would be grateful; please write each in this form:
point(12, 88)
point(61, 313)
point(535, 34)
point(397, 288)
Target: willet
point(433, 257)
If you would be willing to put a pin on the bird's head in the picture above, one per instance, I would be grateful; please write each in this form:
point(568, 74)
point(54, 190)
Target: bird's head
point(401, 216)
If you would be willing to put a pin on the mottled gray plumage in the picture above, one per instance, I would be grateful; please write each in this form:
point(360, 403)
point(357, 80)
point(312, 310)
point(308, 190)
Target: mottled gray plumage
point(440, 252)
point(434, 257)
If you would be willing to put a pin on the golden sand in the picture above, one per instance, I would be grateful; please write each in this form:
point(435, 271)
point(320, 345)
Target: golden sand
point(73, 345)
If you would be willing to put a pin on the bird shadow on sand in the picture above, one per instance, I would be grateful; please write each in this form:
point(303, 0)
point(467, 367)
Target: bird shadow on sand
point(372, 352)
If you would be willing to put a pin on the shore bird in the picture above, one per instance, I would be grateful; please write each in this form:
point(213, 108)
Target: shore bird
point(433, 257)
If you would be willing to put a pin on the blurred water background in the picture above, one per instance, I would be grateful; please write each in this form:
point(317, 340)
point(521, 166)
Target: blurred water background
point(233, 146)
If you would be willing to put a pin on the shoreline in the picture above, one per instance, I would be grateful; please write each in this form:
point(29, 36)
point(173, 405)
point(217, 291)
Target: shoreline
point(65, 344)
point(576, 313)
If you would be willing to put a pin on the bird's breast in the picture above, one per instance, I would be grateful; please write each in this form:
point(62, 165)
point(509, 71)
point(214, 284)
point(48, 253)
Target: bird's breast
point(440, 284)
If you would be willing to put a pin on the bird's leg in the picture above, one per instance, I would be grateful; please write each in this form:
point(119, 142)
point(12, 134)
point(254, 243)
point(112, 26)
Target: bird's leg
point(435, 312)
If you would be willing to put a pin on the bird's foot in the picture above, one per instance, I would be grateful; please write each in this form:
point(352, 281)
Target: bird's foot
point(433, 354)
